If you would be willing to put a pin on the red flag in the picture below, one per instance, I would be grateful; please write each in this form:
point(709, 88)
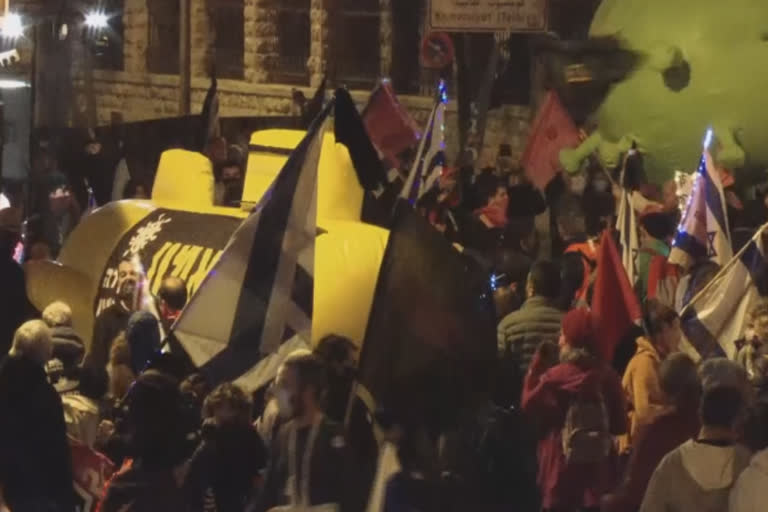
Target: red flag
point(552, 131)
point(390, 127)
point(91, 471)
point(615, 307)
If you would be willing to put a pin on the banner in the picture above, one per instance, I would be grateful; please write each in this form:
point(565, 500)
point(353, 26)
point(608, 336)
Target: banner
point(488, 15)
point(90, 471)
point(169, 243)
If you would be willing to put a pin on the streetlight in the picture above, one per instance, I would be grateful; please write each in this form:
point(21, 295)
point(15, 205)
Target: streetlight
point(97, 20)
point(11, 26)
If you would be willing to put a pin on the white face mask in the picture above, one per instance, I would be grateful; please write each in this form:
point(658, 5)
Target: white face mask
point(284, 405)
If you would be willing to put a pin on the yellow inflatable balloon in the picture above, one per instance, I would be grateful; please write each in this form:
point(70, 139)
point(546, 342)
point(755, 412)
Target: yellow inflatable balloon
point(179, 232)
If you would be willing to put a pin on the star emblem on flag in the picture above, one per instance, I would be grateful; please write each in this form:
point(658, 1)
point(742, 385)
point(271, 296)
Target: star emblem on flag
point(711, 252)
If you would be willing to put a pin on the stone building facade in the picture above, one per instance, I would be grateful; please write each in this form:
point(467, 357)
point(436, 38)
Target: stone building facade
point(142, 82)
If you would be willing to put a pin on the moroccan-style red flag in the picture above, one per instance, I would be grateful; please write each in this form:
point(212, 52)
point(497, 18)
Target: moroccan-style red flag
point(389, 125)
point(552, 131)
point(615, 307)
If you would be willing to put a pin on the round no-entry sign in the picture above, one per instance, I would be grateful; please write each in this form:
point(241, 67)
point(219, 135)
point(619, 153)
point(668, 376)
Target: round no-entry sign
point(437, 50)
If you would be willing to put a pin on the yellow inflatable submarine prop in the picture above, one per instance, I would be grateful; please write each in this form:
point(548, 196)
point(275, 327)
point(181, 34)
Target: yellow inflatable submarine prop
point(179, 232)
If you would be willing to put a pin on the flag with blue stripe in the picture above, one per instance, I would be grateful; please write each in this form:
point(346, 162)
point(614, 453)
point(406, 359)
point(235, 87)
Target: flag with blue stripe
point(703, 233)
point(714, 319)
point(256, 302)
point(430, 157)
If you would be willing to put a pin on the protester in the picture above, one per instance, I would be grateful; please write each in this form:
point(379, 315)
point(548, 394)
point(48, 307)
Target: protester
point(338, 353)
point(748, 494)
point(114, 318)
point(67, 344)
point(537, 321)
point(665, 431)
point(151, 479)
point(579, 261)
point(494, 202)
point(577, 406)
point(226, 466)
point(656, 228)
point(121, 374)
point(35, 465)
point(641, 378)
point(525, 201)
point(13, 299)
point(173, 298)
point(142, 333)
point(229, 191)
point(415, 488)
point(82, 409)
point(307, 445)
point(755, 338)
point(699, 474)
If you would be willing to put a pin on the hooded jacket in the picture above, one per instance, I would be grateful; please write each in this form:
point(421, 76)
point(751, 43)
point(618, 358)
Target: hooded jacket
point(546, 400)
point(748, 495)
point(695, 476)
point(642, 389)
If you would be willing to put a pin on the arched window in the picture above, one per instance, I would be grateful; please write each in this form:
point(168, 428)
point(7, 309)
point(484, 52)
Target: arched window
point(107, 45)
point(163, 40)
point(359, 47)
point(227, 20)
point(293, 35)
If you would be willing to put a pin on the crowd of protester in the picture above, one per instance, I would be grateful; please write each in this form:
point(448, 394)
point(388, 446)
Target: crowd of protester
point(563, 431)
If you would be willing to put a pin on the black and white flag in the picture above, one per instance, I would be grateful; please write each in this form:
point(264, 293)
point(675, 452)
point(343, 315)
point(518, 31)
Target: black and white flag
point(255, 306)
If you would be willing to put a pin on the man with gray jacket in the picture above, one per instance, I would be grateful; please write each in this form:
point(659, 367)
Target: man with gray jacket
point(520, 333)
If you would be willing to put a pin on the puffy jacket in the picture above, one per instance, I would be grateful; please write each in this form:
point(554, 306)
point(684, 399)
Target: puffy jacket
point(546, 400)
point(642, 389)
point(522, 331)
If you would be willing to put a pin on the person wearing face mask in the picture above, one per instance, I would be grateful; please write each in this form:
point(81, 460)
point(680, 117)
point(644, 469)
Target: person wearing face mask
point(113, 319)
point(641, 383)
point(308, 455)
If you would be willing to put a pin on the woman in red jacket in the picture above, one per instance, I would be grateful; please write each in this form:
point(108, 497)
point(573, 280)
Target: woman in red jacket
point(555, 399)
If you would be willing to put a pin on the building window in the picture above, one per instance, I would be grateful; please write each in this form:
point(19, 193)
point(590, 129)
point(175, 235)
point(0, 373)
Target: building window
point(163, 47)
point(293, 36)
point(228, 21)
point(107, 45)
point(358, 50)
point(407, 16)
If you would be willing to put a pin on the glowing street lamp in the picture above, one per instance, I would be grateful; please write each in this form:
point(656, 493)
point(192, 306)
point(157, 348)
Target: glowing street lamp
point(11, 26)
point(97, 20)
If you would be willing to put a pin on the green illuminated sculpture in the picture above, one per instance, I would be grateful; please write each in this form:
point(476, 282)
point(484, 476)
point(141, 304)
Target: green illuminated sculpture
point(702, 63)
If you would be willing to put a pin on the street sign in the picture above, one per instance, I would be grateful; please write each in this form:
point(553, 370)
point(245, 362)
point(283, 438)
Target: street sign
point(488, 15)
point(437, 50)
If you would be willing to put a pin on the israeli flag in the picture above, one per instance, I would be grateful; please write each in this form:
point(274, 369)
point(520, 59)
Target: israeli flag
point(703, 233)
point(714, 319)
point(255, 305)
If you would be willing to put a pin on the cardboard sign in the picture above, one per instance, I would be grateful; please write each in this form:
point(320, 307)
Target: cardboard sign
point(488, 15)
point(169, 243)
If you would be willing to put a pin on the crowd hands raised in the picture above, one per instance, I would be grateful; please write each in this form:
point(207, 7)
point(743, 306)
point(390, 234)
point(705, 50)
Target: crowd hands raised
point(564, 430)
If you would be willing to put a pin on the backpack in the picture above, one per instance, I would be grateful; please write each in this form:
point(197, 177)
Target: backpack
point(586, 434)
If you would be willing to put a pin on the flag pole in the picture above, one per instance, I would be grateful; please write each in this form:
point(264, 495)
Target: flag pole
point(723, 270)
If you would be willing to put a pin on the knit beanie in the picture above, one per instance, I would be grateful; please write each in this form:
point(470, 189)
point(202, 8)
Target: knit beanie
point(578, 329)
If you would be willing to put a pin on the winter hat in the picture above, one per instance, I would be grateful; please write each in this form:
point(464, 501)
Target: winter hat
point(578, 329)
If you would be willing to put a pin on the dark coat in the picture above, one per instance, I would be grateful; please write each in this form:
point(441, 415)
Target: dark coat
point(228, 462)
point(14, 306)
point(35, 458)
point(546, 400)
point(326, 477)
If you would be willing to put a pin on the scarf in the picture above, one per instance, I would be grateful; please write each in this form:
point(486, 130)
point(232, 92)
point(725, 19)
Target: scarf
point(496, 216)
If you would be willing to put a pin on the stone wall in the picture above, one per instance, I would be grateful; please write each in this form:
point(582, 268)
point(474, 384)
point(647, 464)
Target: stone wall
point(137, 95)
